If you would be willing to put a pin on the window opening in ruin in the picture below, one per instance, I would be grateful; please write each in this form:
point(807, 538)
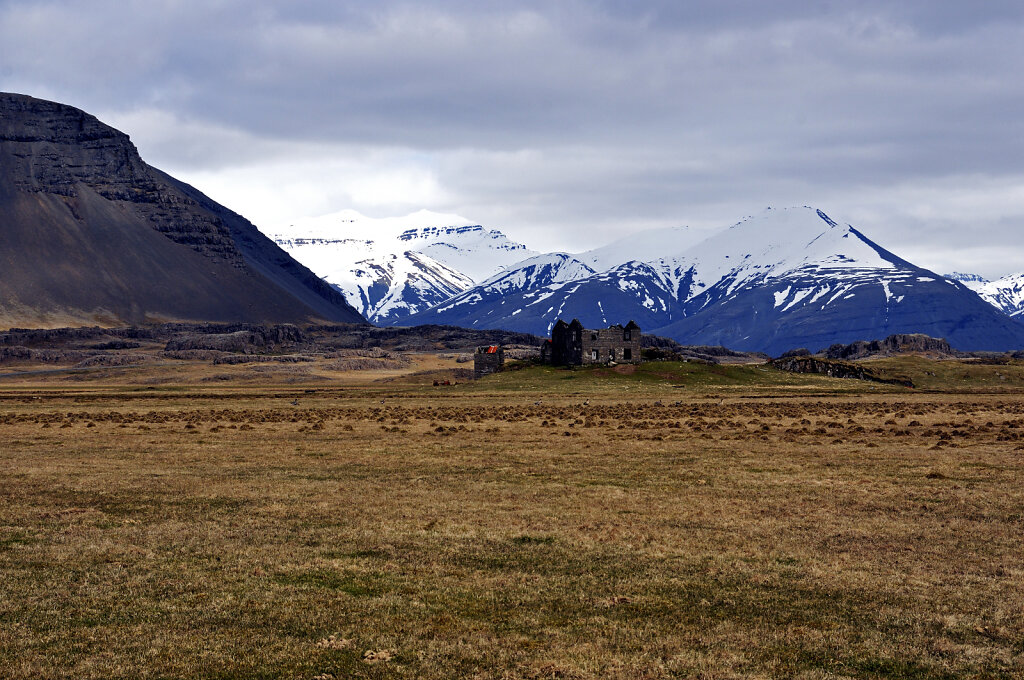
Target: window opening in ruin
point(627, 355)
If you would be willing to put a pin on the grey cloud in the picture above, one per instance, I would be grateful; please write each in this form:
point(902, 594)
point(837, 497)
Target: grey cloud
point(587, 115)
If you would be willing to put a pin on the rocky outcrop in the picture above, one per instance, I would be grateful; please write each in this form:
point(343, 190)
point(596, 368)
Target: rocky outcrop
point(36, 336)
point(417, 338)
point(833, 369)
point(254, 340)
point(235, 359)
point(352, 346)
point(894, 344)
point(19, 354)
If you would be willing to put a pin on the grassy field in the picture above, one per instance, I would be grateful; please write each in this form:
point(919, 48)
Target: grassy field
point(674, 520)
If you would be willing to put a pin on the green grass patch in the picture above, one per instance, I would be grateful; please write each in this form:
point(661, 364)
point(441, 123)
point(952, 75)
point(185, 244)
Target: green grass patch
point(952, 374)
point(657, 375)
point(533, 540)
point(924, 373)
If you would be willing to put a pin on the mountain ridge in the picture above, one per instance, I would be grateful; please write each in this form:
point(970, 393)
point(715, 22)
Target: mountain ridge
point(783, 279)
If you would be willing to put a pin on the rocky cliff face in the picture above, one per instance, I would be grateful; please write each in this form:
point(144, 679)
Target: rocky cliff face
point(901, 343)
point(92, 234)
point(58, 149)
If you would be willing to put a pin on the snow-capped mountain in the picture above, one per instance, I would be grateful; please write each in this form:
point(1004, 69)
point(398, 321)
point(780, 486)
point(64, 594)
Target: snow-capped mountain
point(783, 279)
point(1005, 294)
point(410, 264)
point(972, 281)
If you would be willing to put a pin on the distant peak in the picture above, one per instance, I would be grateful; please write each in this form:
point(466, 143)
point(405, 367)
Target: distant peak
point(966, 278)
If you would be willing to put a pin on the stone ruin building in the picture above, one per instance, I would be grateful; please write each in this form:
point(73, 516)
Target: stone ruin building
point(487, 360)
point(573, 345)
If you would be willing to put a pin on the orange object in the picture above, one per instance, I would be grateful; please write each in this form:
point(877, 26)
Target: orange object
point(493, 349)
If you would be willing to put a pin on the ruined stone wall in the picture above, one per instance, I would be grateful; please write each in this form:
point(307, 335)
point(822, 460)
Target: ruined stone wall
point(564, 350)
point(608, 344)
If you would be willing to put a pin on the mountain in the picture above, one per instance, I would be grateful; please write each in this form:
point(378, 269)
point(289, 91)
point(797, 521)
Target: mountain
point(1005, 294)
point(412, 263)
point(91, 234)
point(783, 279)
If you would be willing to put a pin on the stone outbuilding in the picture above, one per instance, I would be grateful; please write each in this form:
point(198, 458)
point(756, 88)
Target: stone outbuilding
point(573, 345)
point(487, 360)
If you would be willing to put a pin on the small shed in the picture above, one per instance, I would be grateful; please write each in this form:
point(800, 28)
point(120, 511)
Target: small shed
point(488, 359)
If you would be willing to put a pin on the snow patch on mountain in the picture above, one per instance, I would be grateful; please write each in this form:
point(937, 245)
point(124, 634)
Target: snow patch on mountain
point(645, 246)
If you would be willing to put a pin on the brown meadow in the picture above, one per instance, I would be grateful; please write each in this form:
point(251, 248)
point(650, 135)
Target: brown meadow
point(533, 525)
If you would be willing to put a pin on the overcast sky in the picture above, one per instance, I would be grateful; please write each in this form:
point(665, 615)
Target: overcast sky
point(565, 123)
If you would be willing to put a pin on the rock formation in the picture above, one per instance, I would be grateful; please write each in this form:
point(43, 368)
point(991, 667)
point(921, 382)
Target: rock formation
point(912, 343)
point(833, 369)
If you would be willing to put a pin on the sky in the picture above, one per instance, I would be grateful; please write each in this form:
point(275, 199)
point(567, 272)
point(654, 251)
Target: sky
point(564, 123)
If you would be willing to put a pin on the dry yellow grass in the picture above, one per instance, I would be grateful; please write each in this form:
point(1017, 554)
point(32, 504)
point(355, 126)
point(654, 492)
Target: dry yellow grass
point(395, 530)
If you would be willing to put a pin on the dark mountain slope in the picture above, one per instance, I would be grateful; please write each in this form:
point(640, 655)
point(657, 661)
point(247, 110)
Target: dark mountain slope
point(751, 320)
point(89, 234)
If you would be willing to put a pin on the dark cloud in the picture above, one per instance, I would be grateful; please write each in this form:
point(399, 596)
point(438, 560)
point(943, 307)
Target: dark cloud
point(586, 116)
